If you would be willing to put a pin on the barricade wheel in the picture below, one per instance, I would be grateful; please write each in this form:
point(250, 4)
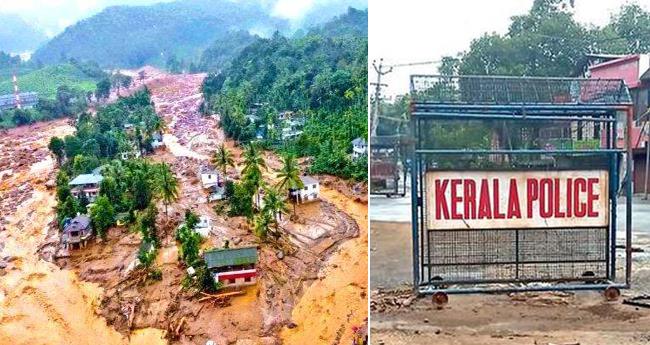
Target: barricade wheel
point(440, 299)
point(612, 293)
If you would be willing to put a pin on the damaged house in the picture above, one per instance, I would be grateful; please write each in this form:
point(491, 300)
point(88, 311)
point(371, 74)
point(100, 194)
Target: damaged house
point(76, 232)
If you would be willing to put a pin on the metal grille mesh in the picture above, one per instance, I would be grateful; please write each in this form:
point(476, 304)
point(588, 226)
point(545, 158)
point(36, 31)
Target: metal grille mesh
point(472, 256)
point(505, 90)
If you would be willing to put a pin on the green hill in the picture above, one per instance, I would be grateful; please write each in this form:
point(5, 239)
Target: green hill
point(132, 36)
point(46, 80)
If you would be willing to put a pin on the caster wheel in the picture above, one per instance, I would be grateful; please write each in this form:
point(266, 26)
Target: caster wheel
point(612, 294)
point(440, 299)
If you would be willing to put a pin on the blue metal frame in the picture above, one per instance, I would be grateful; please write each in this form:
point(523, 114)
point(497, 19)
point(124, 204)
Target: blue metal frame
point(424, 110)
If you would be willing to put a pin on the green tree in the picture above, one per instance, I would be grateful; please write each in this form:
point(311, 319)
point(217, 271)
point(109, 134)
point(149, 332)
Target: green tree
point(190, 244)
point(241, 201)
point(253, 161)
point(102, 215)
point(62, 187)
point(261, 224)
point(145, 223)
point(289, 176)
point(111, 190)
point(167, 185)
point(140, 190)
point(67, 209)
point(103, 89)
point(72, 146)
point(274, 204)
point(57, 147)
point(22, 117)
point(223, 159)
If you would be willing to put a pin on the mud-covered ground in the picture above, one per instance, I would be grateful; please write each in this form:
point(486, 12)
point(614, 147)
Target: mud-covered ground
point(523, 318)
point(312, 286)
point(39, 302)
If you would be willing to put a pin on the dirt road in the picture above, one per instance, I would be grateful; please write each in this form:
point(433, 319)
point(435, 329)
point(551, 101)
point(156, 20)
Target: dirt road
point(532, 318)
point(40, 303)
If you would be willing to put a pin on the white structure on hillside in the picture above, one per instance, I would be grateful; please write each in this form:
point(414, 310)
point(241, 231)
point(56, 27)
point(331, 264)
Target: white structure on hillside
point(214, 183)
point(204, 226)
point(359, 148)
point(309, 192)
point(157, 140)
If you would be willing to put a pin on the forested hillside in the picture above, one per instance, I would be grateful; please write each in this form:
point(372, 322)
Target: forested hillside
point(320, 77)
point(132, 36)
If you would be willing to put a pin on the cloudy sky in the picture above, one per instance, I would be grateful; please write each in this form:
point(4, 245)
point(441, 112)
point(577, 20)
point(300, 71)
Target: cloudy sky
point(417, 31)
point(52, 16)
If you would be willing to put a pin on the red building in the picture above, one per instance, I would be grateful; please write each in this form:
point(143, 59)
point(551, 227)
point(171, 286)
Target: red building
point(635, 71)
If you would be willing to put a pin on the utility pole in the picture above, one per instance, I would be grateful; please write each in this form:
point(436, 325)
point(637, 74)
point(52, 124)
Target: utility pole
point(16, 93)
point(381, 71)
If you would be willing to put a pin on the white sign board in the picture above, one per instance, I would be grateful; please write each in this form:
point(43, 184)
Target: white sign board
point(516, 199)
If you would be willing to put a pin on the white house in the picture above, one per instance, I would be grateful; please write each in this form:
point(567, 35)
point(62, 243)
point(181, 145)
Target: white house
point(157, 140)
point(292, 128)
point(210, 178)
point(359, 148)
point(214, 183)
point(204, 226)
point(309, 192)
point(135, 153)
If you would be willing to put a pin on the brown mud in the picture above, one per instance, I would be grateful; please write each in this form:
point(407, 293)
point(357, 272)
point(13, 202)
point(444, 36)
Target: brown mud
point(319, 258)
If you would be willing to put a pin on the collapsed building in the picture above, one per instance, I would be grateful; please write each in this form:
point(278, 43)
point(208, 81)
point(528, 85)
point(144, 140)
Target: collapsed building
point(76, 232)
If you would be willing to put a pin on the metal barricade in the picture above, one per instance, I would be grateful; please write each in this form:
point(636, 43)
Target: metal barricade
point(517, 131)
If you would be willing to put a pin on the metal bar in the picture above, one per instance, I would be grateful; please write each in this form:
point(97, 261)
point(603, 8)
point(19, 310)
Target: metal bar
point(511, 281)
point(414, 210)
point(532, 262)
point(476, 76)
point(421, 209)
point(514, 111)
point(614, 201)
point(517, 254)
point(524, 152)
point(430, 289)
point(520, 106)
point(510, 117)
point(628, 204)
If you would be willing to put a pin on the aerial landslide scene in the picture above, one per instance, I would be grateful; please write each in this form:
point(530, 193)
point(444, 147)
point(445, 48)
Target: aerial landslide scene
point(510, 172)
point(183, 172)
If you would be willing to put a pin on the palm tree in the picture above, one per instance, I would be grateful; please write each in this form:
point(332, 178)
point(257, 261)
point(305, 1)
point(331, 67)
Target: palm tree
point(289, 176)
point(274, 204)
point(253, 159)
point(167, 185)
point(253, 165)
point(223, 159)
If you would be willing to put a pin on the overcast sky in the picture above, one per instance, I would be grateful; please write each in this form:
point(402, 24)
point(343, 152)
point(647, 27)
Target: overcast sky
point(52, 16)
point(416, 30)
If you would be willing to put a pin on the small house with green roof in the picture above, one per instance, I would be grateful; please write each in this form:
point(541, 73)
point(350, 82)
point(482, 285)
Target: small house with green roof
point(233, 267)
